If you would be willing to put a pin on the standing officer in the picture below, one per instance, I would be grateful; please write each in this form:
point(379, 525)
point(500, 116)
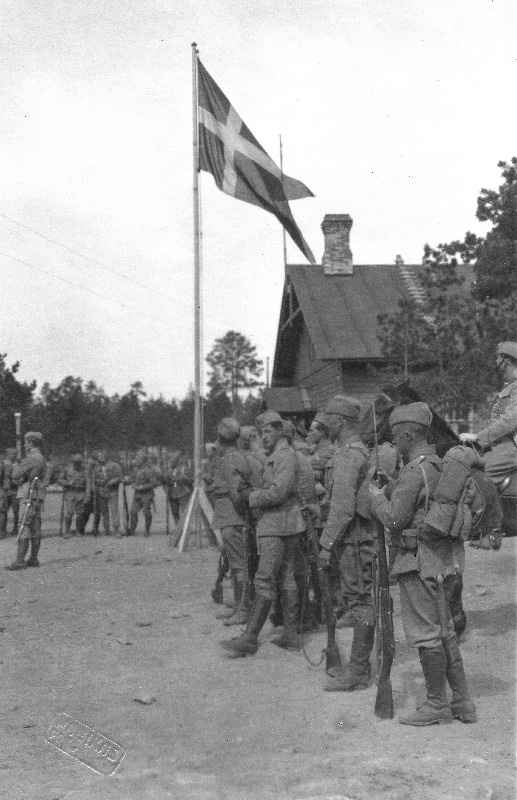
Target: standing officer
point(349, 533)
point(30, 472)
point(177, 481)
point(76, 486)
point(499, 439)
point(10, 493)
point(279, 525)
point(106, 478)
point(144, 480)
point(422, 557)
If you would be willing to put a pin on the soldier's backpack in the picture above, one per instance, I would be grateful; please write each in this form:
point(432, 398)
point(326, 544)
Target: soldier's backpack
point(449, 511)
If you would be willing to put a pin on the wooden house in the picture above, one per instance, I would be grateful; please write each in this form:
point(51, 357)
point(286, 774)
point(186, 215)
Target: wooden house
point(327, 332)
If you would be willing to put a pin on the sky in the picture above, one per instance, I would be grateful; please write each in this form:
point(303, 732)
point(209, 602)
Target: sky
point(393, 111)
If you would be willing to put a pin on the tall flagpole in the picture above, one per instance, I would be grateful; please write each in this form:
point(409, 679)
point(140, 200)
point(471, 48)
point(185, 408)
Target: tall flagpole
point(197, 290)
point(282, 173)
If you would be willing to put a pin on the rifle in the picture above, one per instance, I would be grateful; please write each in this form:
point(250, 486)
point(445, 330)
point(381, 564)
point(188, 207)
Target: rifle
point(62, 513)
point(331, 651)
point(29, 503)
point(385, 638)
point(222, 568)
point(126, 508)
point(167, 511)
point(250, 549)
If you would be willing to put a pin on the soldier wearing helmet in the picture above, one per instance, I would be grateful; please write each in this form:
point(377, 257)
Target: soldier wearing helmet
point(499, 438)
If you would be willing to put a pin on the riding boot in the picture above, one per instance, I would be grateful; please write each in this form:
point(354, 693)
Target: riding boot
point(19, 562)
point(237, 587)
point(247, 642)
point(133, 522)
point(290, 638)
point(357, 673)
point(462, 705)
point(435, 709)
point(3, 525)
point(148, 521)
point(32, 561)
point(242, 611)
point(68, 525)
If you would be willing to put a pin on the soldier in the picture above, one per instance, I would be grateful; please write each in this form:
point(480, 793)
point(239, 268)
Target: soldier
point(9, 494)
point(324, 450)
point(251, 435)
point(31, 473)
point(279, 526)
point(422, 557)
point(350, 534)
point(499, 439)
point(106, 478)
point(76, 486)
point(178, 482)
point(144, 481)
point(232, 473)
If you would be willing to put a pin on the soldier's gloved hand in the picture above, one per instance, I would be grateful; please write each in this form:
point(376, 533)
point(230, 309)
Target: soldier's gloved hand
point(468, 437)
point(325, 556)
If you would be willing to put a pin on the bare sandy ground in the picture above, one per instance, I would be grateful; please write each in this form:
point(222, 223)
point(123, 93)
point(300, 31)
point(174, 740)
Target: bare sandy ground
point(104, 621)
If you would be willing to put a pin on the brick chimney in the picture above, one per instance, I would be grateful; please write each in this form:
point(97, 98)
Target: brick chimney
point(337, 258)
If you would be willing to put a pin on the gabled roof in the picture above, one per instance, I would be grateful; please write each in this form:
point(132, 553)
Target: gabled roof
point(340, 311)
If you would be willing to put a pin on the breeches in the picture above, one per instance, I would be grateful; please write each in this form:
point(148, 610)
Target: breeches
point(419, 609)
point(74, 504)
point(355, 566)
point(142, 503)
point(277, 556)
point(235, 549)
point(107, 508)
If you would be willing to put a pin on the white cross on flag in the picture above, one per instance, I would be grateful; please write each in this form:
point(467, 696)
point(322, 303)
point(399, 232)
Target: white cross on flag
point(240, 166)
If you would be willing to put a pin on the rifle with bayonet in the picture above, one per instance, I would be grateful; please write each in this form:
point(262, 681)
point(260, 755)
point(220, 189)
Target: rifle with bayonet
point(385, 638)
point(333, 659)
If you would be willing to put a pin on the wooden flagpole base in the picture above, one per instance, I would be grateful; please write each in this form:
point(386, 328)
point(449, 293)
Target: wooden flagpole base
point(198, 520)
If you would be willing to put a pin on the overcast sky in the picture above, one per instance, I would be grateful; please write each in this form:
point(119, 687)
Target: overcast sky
point(394, 111)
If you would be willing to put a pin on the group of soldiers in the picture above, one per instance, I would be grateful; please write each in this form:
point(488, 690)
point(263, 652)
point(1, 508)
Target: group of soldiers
point(271, 480)
point(91, 488)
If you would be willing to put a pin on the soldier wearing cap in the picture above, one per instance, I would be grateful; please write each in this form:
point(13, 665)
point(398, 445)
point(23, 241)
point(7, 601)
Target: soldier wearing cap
point(144, 480)
point(106, 477)
point(9, 493)
point(422, 557)
point(499, 439)
point(232, 474)
point(250, 435)
point(30, 475)
point(349, 534)
point(279, 525)
point(76, 486)
point(178, 480)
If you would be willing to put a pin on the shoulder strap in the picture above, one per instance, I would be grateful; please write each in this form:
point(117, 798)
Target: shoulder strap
point(426, 483)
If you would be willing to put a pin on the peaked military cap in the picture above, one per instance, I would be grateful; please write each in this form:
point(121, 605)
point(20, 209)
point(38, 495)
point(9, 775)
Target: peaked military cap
point(344, 406)
point(413, 412)
point(507, 349)
point(34, 436)
point(229, 428)
point(269, 418)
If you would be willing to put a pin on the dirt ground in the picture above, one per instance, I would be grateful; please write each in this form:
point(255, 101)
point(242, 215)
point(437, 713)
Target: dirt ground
point(73, 641)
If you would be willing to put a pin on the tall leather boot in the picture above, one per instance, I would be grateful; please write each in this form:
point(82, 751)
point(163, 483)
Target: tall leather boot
point(290, 638)
point(462, 705)
point(3, 524)
point(247, 643)
point(357, 673)
point(19, 562)
point(237, 594)
point(133, 522)
point(276, 617)
point(68, 525)
point(242, 610)
point(148, 520)
point(435, 709)
point(32, 561)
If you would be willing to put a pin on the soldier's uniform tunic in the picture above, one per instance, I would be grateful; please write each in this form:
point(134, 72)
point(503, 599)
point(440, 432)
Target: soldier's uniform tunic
point(500, 437)
point(178, 483)
point(279, 521)
point(75, 482)
point(417, 570)
point(231, 473)
point(351, 533)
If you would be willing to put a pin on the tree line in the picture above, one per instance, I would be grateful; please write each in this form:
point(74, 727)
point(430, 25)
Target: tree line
point(446, 346)
point(79, 416)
